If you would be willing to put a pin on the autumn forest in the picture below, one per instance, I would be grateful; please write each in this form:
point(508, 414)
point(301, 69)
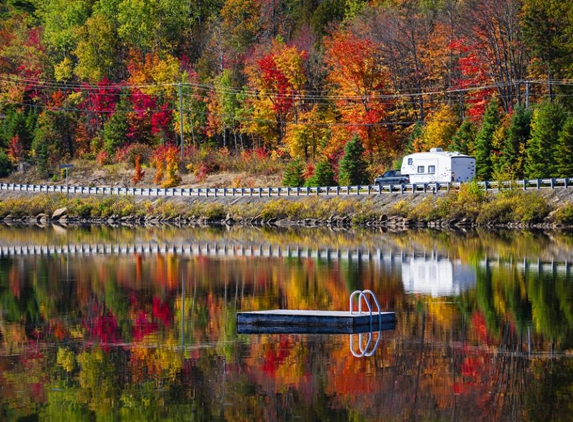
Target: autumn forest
point(273, 86)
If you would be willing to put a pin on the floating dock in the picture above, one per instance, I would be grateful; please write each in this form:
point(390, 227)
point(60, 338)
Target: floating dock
point(309, 321)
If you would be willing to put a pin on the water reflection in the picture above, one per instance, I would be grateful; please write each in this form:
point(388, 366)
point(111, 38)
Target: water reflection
point(131, 334)
point(437, 276)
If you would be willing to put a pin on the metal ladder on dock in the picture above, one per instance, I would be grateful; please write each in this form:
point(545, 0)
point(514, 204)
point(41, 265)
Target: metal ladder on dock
point(364, 296)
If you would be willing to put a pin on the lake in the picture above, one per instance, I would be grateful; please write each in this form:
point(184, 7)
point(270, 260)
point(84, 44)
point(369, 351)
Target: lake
point(138, 324)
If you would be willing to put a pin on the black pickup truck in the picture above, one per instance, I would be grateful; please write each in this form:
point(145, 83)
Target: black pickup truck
point(392, 177)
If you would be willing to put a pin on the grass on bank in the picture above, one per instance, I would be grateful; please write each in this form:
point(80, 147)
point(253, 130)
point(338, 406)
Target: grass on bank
point(511, 206)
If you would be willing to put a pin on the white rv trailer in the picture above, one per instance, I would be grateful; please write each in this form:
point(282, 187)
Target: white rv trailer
point(439, 166)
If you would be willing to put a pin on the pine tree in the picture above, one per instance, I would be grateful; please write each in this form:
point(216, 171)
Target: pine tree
point(5, 165)
point(547, 121)
point(464, 139)
point(323, 175)
point(564, 150)
point(497, 142)
point(519, 131)
point(294, 174)
point(353, 166)
point(115, 130)
point(484, 138)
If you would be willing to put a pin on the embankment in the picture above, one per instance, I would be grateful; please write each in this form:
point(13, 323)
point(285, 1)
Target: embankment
point(468, 207)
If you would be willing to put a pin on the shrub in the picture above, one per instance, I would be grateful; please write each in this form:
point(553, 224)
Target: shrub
point(214, 211)
point(497, 211)
point(103, 158)
point(142, 151)
point(426, 210)
point(467, 201)
point(402, 208)
point(514, 206)
point(563, 215)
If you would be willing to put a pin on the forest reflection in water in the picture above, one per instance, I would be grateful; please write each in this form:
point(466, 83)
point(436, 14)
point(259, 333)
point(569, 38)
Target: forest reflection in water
point(140, 324)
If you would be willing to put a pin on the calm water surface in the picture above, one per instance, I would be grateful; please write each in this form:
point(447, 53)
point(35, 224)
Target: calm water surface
point(137, 324)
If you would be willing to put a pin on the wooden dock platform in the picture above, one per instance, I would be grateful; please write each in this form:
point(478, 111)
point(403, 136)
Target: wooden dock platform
point(309, 321)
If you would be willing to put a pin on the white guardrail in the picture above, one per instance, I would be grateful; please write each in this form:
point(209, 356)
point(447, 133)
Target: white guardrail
point(286, 191)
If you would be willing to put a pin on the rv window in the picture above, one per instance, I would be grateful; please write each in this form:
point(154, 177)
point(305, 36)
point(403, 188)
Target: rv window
point(431, 169)
point(420, 169)
point(410, 161)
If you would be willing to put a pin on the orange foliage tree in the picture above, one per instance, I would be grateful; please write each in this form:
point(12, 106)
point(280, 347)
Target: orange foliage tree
point(361, 87)
point(172, 160)
point(139, 172)
point(166, 161)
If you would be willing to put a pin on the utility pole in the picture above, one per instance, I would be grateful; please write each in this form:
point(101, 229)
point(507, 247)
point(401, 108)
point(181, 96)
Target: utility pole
point(181, 118)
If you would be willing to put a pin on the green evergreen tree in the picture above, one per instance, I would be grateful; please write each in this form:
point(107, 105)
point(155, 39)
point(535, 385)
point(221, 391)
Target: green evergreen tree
point(484, 138)
point(564, 150)
point(323, 175)
point(5, 165)
point(547, 121)
point(353, 166)
point(115, 132)
point(417, 133)
point(464, 139)
point(294, 174)
point(21, 123)
point(519, 131)
point(53, 142)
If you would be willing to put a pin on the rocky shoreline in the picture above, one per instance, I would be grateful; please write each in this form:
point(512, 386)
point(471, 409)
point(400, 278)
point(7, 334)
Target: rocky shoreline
point(60, 217)
point(386, 211)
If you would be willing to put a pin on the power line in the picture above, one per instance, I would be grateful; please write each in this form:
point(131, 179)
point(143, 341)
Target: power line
point(304, 95)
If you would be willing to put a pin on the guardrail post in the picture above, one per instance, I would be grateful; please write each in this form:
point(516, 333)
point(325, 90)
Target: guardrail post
point(552, 183)
point(566, 184)
point(358, 190)
point(525, 184)
point(538, 183)
point(307, 191)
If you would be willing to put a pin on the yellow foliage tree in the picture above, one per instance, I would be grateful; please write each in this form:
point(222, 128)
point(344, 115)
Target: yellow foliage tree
point(305, 139)
point(440, 127)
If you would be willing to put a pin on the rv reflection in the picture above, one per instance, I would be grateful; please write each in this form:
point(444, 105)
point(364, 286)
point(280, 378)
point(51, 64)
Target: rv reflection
point(436, 276)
